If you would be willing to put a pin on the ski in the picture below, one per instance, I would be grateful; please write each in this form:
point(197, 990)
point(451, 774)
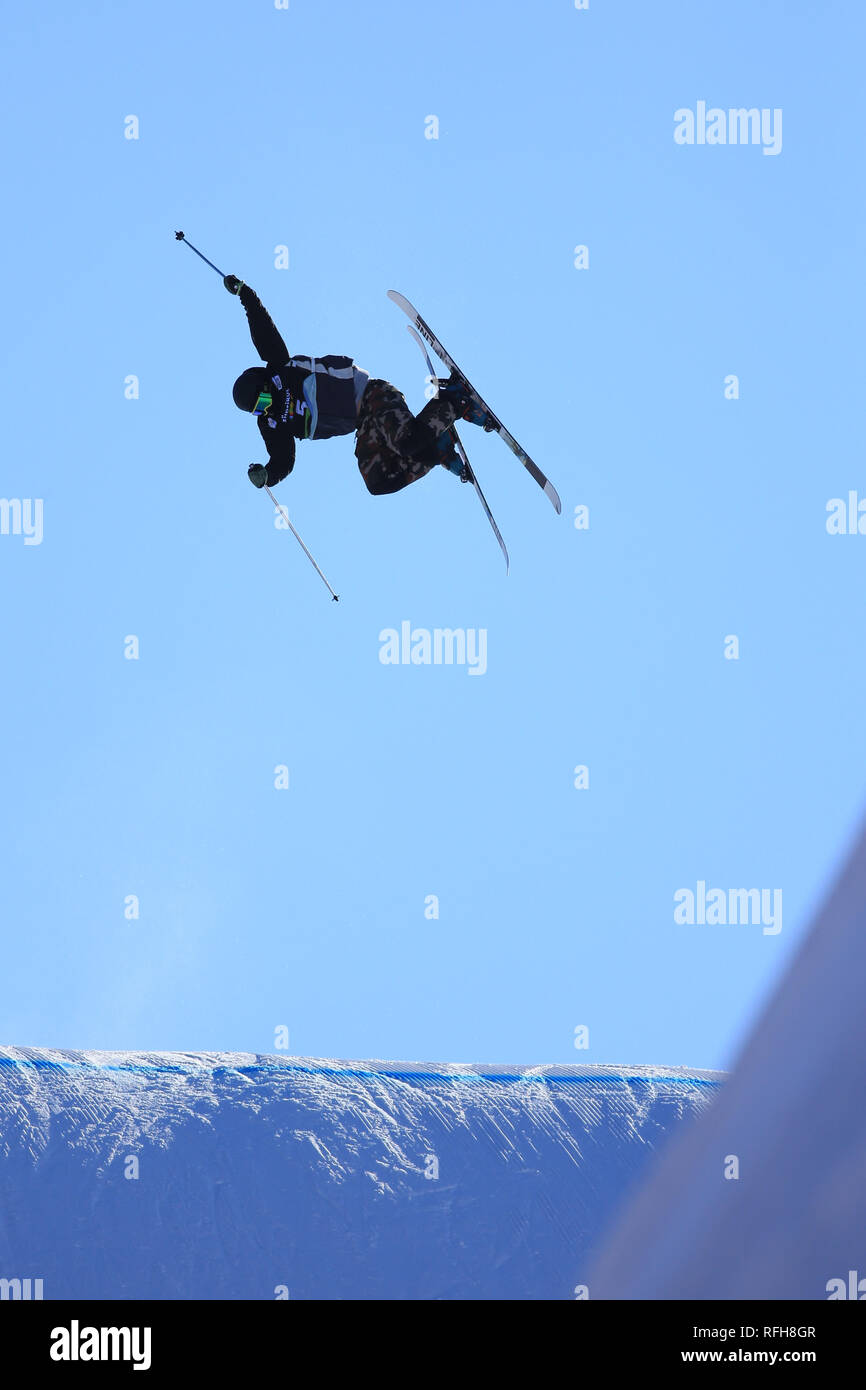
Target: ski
point(426, 332)
point(462, 452)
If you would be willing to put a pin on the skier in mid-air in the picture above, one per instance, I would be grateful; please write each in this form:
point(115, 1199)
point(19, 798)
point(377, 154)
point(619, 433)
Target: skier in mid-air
point(316, 398)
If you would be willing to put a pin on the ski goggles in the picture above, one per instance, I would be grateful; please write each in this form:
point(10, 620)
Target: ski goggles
point(263, 404)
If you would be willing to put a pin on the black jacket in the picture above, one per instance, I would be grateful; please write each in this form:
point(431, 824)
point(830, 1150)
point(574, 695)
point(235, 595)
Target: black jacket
point(313, 398)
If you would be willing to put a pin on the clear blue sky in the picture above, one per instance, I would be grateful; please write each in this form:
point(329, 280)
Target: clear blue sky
point(155, 777)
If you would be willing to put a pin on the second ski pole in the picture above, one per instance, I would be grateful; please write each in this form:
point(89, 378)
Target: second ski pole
point(179, 236)
point(284, 514)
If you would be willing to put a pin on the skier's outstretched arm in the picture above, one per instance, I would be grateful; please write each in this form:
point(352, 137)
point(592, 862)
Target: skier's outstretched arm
point(281, 461)
point(267, 339)
point(280, 465)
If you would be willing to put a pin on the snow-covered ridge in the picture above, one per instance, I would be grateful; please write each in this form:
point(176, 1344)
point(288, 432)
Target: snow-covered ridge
point(236, 1175)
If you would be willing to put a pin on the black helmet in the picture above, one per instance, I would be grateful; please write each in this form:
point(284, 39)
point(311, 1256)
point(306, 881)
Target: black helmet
point(249, 386)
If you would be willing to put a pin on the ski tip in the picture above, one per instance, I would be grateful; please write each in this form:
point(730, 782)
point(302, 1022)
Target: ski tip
point(554, 497)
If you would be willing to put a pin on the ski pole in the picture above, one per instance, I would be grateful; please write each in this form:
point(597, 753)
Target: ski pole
point(285, 517)
point(180, 237)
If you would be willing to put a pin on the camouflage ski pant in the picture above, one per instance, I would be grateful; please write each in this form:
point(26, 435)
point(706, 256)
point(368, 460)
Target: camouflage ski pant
point(394, 447)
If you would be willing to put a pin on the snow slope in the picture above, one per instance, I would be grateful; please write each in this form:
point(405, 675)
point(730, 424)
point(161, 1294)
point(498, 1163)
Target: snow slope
point(329, 1179)
point(792, 1225)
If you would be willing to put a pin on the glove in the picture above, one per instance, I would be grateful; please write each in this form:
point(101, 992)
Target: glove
point(257, 474)
point(233, 284)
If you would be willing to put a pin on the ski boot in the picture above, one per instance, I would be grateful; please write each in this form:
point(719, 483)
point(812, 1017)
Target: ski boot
point(449, 457)
point(453, 388)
